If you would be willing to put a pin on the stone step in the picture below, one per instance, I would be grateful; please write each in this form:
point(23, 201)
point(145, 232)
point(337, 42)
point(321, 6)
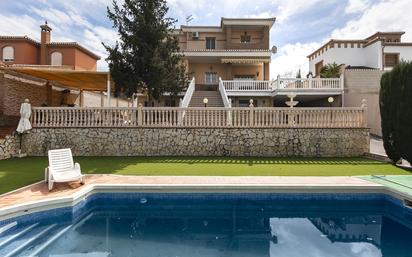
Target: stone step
point(214, 99)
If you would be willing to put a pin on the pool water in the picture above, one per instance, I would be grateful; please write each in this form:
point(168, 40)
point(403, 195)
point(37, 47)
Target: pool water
point(182, 225)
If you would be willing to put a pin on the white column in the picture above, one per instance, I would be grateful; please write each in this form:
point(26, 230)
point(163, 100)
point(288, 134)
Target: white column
point(108, 89)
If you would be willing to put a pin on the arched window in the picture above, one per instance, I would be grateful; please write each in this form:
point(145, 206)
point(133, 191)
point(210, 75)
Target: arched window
point(56, 59)
point(8, 54)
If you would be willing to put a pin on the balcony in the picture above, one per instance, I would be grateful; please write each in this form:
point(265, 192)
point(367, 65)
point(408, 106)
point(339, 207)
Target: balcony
point(283, 86)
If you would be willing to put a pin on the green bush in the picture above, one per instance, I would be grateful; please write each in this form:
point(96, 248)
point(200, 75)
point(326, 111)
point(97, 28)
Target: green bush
point(395, 102)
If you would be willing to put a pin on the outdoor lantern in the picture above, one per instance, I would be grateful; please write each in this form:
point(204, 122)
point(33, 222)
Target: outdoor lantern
point(330, 100)
point(205, 101)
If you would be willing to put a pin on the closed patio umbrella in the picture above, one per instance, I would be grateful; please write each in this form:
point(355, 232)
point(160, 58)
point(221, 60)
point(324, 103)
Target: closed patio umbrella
point(25, 112)
point(24, 123)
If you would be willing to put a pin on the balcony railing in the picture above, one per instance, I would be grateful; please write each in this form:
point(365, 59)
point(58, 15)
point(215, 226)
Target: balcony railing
point(285, 85)
point(248, 85)
point(174, 117)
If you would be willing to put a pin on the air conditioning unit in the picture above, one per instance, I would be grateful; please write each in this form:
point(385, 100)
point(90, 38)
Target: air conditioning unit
point(195, 35)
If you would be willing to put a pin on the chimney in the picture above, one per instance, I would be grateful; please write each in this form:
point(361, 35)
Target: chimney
point(44, 40)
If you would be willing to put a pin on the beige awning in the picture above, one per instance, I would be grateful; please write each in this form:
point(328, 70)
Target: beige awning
point(77, 80)
point(246, 60)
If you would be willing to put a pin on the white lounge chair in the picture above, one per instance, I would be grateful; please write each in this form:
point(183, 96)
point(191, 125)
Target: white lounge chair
point(62, 168)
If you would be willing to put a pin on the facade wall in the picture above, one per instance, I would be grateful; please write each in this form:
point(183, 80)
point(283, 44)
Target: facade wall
point(84, 62)
point(68, 55)
point(365, 84)
point(370, 56)
point(225, 71)
point(198, 70)
point(349, 56)
point(24, 52)
point(199, 142)
point(255, 70)
point(405, 52)
point(200, 43)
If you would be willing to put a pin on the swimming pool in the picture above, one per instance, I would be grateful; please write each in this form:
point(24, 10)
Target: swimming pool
point(215, 224)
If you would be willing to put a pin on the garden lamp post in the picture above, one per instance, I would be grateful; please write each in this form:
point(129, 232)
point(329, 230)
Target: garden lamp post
point(330, 100)
point(205, 101)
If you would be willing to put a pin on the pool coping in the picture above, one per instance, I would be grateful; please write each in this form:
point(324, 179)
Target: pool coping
point(87, 190)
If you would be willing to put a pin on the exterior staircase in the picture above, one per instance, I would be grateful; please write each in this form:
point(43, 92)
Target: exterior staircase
point(214, 99)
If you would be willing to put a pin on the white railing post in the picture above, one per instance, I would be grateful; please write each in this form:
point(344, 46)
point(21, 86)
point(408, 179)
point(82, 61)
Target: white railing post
point(251, 114)
point(341, 81)
point(310, 81)
point(140, 115)
point(364, 107)
point(229, 114)
point(278, 82)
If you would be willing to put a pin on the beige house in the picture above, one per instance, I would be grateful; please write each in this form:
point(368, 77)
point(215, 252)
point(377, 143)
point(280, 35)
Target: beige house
point(237, 49)
point(229, 65)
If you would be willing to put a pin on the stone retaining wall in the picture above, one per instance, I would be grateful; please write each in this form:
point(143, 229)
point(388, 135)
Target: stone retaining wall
point(199, 142)
point(9, 146)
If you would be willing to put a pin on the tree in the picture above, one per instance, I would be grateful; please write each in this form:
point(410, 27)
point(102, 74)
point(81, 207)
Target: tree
point(396, 112)
point(330, 71)
point(147, 56)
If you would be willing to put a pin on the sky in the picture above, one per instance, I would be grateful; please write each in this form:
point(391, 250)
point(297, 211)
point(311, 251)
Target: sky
point(301, 25)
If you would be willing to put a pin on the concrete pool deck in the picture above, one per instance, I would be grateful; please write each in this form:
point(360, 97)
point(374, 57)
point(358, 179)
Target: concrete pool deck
point(36, 197)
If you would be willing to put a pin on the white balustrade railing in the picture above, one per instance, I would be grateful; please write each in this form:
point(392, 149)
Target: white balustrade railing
point(297, 84)
point(247, 85)
point(257, 117)
point(284, 84)
point(222, 90)
point(189, 93)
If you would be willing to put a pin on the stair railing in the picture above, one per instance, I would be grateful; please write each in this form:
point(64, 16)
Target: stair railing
point(223, 93)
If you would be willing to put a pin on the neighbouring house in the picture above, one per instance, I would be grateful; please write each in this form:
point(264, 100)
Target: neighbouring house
point(230, 65)
point(48, 74)
point(382, 51)
point(363, 62)
point(24, 51)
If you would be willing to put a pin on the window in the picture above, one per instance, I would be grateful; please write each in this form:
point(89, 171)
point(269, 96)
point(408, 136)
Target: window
point(210, 43)
point(245, 38)
point(8, 54)
point(56, 59)
point(391, 59)
point(211, 78)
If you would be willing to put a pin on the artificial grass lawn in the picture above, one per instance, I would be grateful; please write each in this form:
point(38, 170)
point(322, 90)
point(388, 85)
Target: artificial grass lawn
point(15, 173)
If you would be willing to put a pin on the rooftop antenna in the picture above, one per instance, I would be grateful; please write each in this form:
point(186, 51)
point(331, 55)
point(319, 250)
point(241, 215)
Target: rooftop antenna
point(189, 19)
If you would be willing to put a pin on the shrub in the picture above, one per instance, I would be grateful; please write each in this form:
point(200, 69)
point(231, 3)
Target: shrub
point(396, 112)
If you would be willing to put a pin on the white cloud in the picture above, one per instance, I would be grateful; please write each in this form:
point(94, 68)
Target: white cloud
point(290, 58)
point(356, 6)
point(384, 16)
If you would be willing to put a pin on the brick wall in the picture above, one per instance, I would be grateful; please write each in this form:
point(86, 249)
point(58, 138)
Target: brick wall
point(14, 89)
point(364, 84)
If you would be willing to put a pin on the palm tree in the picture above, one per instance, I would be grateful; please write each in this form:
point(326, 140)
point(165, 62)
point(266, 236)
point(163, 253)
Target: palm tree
point(331, 70)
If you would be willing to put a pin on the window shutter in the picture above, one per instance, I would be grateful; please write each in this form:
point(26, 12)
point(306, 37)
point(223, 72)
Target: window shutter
point(8, 54)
